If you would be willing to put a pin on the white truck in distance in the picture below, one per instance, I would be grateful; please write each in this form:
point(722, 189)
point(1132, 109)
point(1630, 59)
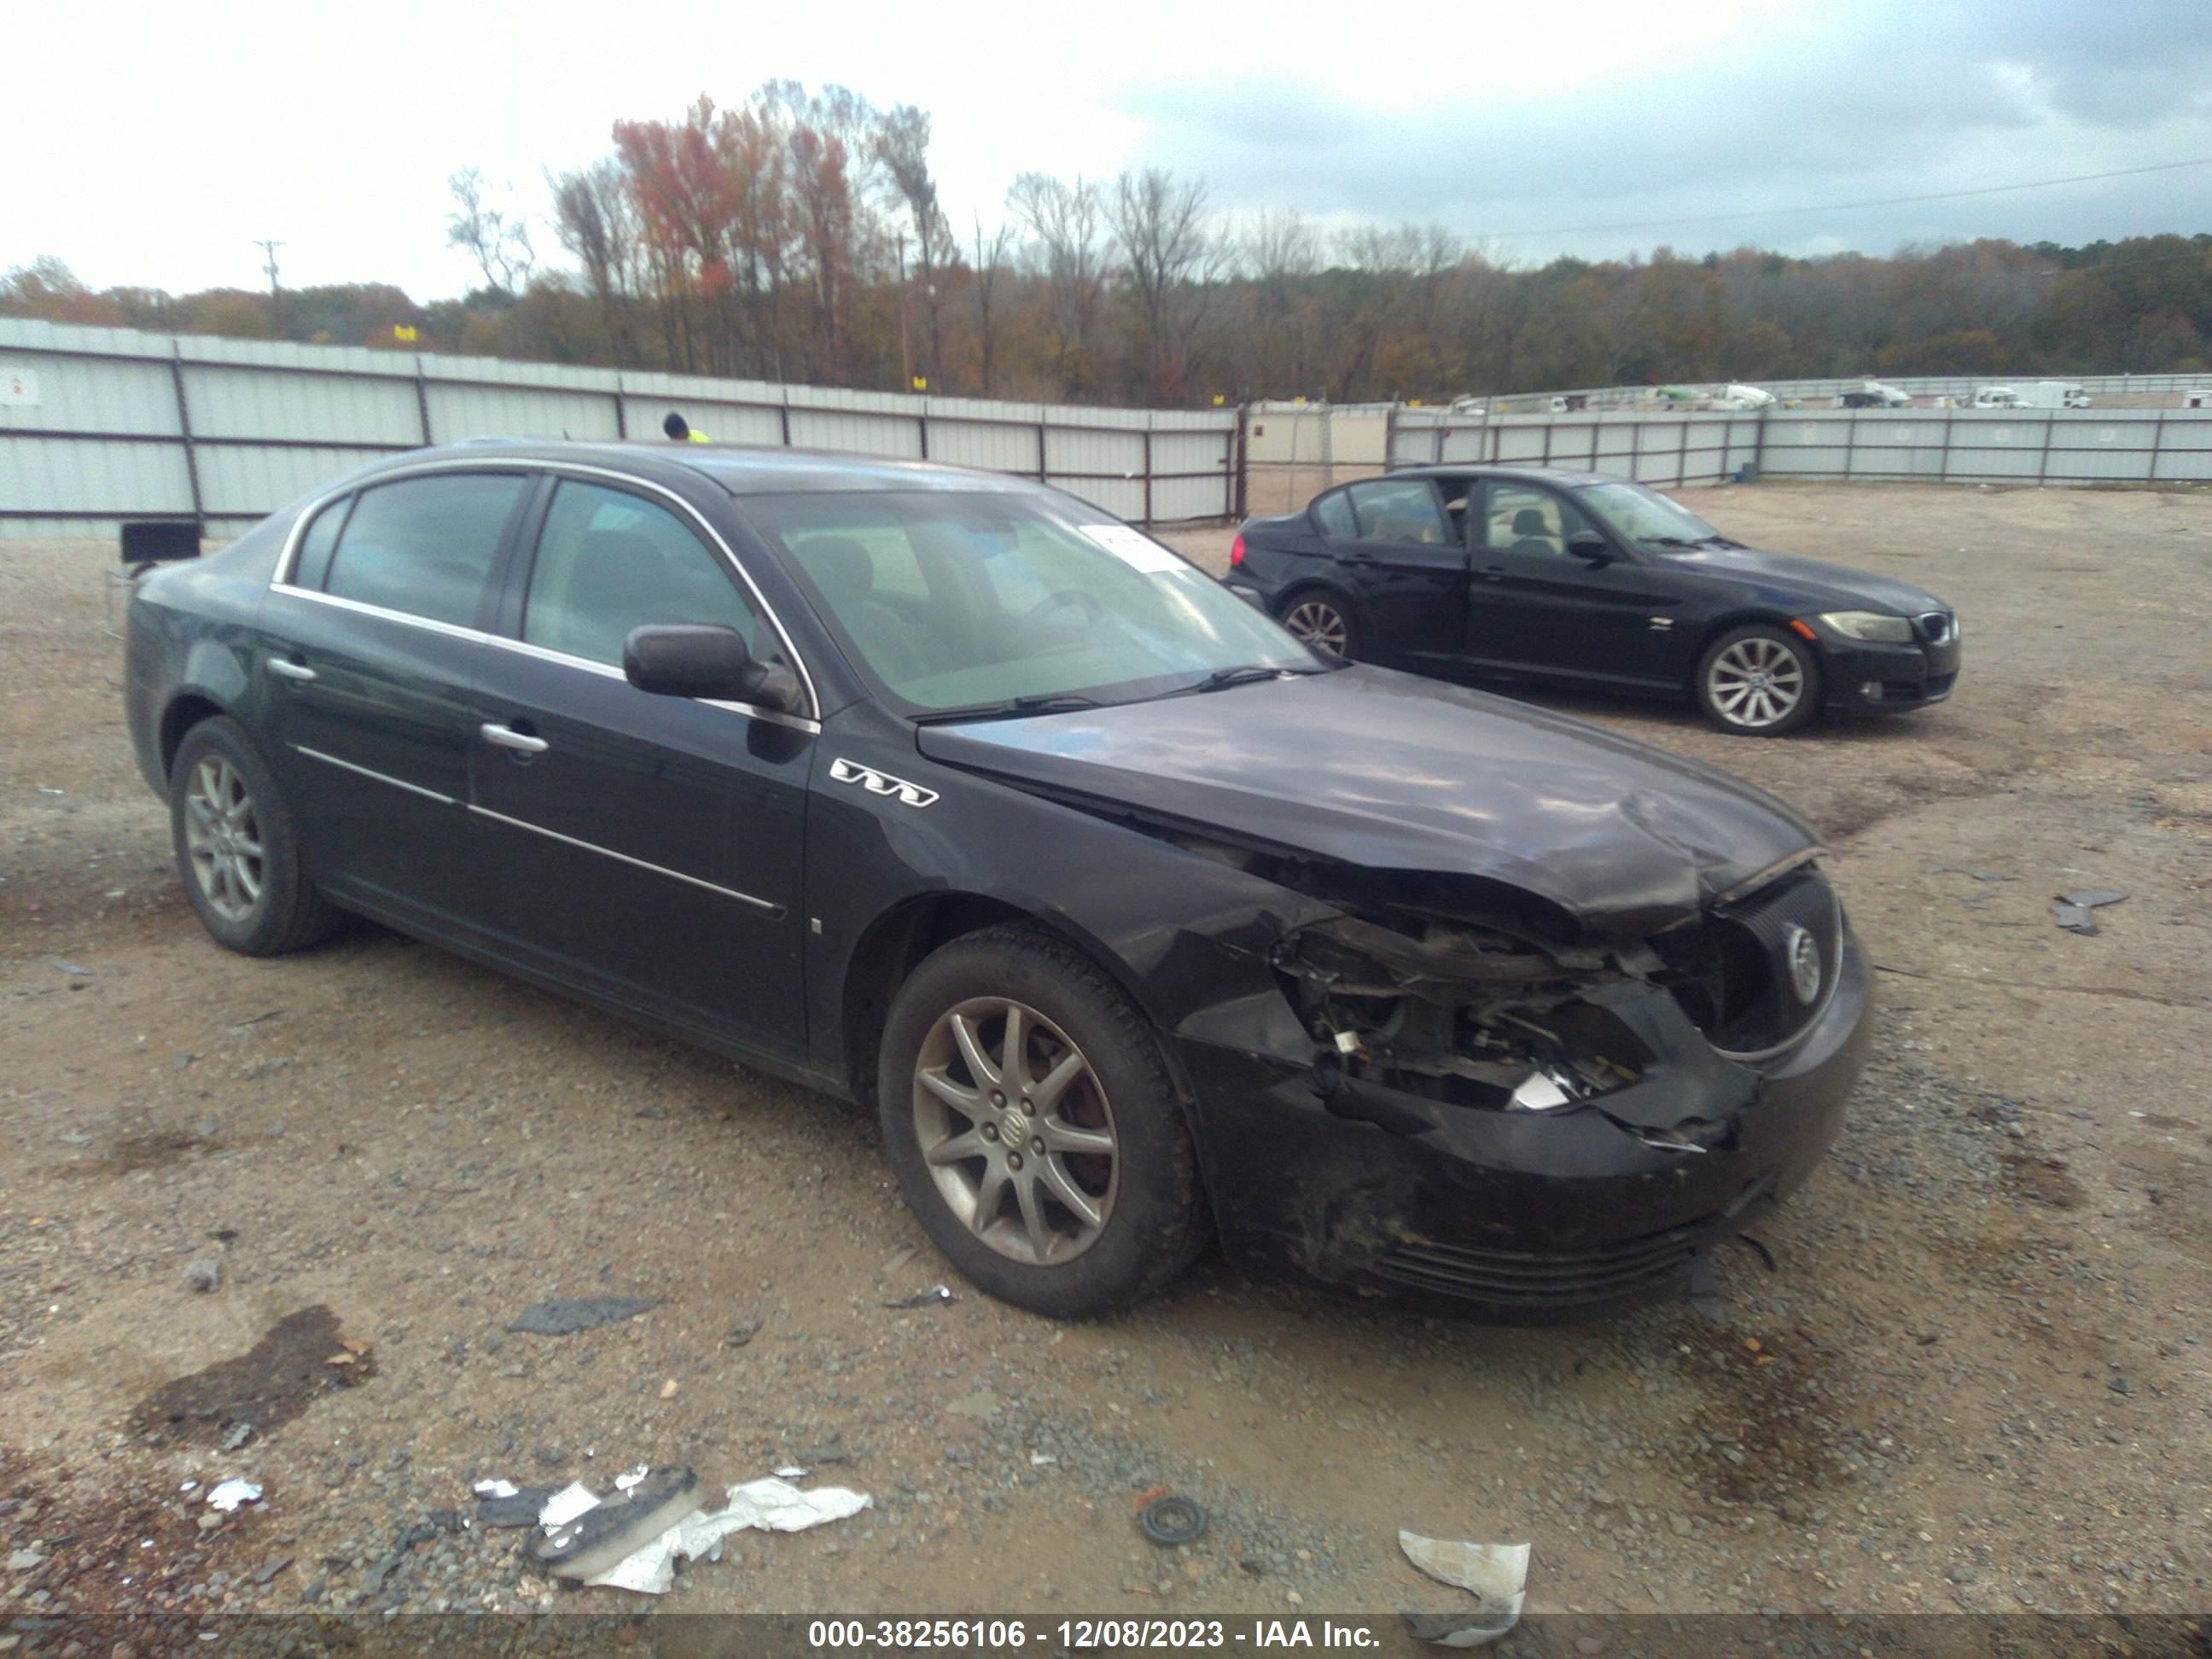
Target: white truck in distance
point(2039, 394)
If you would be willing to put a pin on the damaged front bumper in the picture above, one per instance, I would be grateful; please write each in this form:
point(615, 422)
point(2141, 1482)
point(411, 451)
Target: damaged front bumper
point(1594, 1200)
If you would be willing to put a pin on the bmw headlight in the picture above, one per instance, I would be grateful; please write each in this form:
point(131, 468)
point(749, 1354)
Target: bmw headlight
point(1870, 625)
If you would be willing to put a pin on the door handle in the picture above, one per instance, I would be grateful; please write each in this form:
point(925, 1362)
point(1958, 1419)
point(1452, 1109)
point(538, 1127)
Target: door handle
point(1495, 574)
point(284, 669)
point(505, 737)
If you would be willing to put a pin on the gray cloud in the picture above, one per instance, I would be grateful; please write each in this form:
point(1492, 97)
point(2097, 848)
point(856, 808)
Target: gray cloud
point(1870, 99)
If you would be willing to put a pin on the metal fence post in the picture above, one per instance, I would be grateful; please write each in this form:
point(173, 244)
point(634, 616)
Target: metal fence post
point(1390, 437)
point(921, 424)
point(1148, 473)
point(1635, 447)
point(1850, 441)
point(1240, 461)
point(2157, 443)
point(1042, 457)
point(185, 430)
point(1437, 442)
point(423, 400)
point(1943, 463)
point(783, 417)
point(2043, 460)
point(622, 416)
point(1548, 424)
point(1759, 443)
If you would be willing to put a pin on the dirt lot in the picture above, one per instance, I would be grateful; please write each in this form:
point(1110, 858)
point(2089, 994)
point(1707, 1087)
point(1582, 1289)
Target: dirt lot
point(1976, 1377)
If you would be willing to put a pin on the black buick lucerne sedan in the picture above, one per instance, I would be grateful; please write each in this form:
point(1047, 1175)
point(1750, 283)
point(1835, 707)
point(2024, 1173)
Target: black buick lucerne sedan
point(1138, 921)
point(1578, 579)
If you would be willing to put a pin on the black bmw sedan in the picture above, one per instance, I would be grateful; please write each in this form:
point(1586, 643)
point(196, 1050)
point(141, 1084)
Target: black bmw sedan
point(1578, 579)
point(1137, 920)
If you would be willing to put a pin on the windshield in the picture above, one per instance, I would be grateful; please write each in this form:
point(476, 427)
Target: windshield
point(980, 600)
point(1646, 517)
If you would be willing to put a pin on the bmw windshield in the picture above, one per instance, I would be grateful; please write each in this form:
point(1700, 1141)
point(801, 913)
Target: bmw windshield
point(1648, 518)
point(993, 602)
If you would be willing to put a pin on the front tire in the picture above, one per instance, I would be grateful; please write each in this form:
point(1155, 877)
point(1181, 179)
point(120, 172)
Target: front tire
point(238, 846)
point(1760, 681)
point(1034, 1129)
point(1318, 618)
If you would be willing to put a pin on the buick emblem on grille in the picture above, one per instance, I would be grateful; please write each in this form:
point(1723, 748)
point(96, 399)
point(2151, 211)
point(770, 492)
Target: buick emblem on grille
point(1803, 953)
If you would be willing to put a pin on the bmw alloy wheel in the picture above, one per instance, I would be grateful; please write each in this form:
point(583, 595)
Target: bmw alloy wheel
point(1318, 623)
point(1756, 683)
point(1016, 1131)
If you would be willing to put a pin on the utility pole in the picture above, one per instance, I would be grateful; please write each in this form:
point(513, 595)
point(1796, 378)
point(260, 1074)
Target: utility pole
point(269, 247)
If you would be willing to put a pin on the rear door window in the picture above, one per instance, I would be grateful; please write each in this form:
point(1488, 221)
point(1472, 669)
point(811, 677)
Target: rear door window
point(425, 545)
point(316, 546)
point(1399, 510)
point(1332, 512)
point(609, 562)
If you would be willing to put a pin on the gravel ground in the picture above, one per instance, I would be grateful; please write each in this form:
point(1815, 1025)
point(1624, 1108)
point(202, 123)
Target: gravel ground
point(1975, 1378)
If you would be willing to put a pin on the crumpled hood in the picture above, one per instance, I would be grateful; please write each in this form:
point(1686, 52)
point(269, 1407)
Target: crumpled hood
point(1819, 584)
point(1391, 772)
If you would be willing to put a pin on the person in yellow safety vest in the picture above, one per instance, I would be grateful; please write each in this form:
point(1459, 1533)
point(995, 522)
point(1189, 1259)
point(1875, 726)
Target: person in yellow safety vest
point(678, 429)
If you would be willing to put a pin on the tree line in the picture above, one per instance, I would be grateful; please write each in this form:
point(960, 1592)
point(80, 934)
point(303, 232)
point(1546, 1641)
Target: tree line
point(801, 236)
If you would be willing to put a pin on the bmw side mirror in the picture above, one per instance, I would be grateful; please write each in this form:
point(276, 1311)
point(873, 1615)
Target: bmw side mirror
point(692, 659)
point(1588, 545)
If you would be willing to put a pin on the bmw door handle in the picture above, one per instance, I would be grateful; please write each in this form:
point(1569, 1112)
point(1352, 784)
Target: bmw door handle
point(285, 669)
point(1495, 574)
point(505, 737)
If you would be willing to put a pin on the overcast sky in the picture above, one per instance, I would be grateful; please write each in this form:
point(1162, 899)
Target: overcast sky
point(151, 145)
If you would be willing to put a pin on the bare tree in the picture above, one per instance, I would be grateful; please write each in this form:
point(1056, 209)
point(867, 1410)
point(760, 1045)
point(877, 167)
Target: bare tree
point(1161, 222)
point(498, 242)
point(597, 222)
point(1071, 253)
point(902, 145)
point(1280, 253)
point(990, 255)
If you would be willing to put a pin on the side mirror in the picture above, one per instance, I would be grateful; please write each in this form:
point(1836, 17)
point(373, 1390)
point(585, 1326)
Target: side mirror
point(1588, 545)
point(691, 660)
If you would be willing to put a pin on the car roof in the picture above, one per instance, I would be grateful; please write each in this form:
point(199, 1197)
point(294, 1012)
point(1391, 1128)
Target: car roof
point(1563, 477)
point(741, 470)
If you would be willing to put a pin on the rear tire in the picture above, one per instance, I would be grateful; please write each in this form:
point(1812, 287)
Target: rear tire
point(238, 846)
point(1319, 619)
point(1759, 681)
point(1065, 1183)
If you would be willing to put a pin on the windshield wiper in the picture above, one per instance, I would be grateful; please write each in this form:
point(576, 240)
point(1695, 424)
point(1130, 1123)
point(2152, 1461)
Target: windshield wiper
point(1244, 674)
point(1666, 541)
point(1042, 702)
point(1718, 541)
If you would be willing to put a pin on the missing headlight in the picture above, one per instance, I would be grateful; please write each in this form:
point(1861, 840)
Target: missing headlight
point(1464, 1013)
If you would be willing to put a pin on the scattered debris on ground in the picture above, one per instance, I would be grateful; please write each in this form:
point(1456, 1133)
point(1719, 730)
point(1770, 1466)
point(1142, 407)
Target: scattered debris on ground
point(1495, 1575)
point(565, 1316)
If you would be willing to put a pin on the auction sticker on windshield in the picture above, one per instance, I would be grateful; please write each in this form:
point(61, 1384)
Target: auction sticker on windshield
point(1135, 549)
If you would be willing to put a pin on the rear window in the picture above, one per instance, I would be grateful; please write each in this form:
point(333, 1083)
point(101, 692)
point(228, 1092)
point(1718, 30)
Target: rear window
point(425, 546)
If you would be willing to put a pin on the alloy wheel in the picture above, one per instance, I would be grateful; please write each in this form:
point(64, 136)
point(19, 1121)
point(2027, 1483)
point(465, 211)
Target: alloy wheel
point(1316, 621)
point(223, 834)
point(1756, 683)
point(1016, 1131)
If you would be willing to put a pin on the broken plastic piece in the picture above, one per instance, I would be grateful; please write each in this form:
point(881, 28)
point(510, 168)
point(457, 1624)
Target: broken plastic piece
point(566, 1504)
point(1497, 1575)
point(789, 1471)
point(565, 1316)
point(1452, 1630)
point(770, 1504)
point(2073, 918)
point(1539, 1093)
point(624, 1482)
point(599, 1537)
point(2092, 898)
point(227, 1495)
point(495, 1489)
point(935, 1293)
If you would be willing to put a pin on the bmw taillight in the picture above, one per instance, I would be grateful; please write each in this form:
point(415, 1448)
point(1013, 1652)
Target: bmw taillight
point(1237, 550)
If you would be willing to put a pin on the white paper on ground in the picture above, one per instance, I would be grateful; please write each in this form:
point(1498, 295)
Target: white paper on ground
point(566, 1504)
point(495, 1489)
point(229, 1494)
point(1133, 547)
point(1495, 1574)
point(772, 1505)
